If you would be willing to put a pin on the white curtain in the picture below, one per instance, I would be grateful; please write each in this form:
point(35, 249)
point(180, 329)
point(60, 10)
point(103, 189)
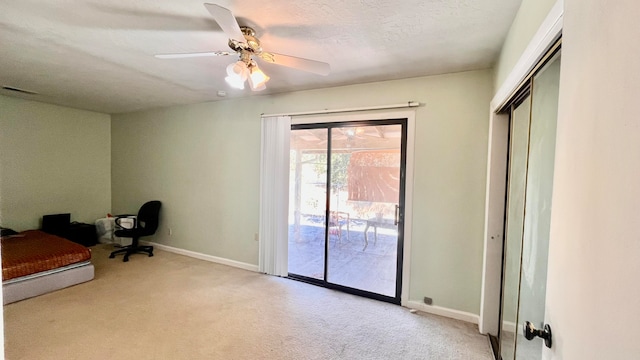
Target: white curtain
point(274, 195)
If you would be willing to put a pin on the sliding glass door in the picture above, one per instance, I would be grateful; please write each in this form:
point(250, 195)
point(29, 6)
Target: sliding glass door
point(346, 206)
point(307, 203)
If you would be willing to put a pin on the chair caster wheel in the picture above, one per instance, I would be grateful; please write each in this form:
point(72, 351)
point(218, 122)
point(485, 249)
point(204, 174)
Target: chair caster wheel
point(111, 256)
point(125, 259)
point(151, 254)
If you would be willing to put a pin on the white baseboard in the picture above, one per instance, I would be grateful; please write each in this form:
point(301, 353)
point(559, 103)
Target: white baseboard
point(442, 311)
point(436, 310)
point(204, 257)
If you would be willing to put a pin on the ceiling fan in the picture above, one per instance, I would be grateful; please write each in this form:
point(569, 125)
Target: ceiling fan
point(243, 41)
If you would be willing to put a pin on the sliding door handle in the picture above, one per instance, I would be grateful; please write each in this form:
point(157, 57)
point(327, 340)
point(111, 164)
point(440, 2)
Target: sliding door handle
point(396, 219)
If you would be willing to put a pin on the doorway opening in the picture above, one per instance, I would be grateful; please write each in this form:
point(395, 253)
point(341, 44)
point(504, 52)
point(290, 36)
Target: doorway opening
point(346, 208)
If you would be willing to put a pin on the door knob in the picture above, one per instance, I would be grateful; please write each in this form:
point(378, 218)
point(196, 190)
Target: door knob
point(531, 332)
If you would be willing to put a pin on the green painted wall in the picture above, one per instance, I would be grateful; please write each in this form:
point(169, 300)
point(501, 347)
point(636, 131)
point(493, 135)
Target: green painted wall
point(53, 159)
point(527, 21)
point(203, 162)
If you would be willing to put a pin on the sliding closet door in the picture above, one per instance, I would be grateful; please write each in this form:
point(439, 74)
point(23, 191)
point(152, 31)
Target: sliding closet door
point(528, 215)
point(519, 145)
point(537, 224)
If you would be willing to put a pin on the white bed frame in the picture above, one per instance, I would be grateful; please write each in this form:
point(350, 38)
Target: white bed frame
point(41, 283)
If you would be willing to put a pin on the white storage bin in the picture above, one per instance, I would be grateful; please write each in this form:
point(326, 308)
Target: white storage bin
point(104, 230)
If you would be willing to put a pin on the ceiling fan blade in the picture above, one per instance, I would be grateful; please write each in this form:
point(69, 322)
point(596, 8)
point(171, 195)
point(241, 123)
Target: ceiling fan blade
point(191, 55)
point(313, 66)
point(227, 21)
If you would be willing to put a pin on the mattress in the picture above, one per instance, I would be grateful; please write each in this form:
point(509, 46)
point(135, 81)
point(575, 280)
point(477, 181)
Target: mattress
point(34, 251)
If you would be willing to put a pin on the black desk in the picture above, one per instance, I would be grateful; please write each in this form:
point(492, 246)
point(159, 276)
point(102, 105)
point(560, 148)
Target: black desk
point(84, 234)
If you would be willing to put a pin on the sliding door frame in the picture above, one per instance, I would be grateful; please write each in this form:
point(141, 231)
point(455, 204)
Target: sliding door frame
point(380, 117)
point(401, 201)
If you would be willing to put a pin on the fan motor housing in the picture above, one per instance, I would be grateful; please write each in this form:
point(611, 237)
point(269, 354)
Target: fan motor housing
point(251, 45)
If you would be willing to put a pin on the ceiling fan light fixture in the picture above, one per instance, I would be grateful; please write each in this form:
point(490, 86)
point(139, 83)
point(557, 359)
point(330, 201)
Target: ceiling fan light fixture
point(258, 79)
point(238, 70)
point(244, 42)
point(258, 88)
point(235, 82)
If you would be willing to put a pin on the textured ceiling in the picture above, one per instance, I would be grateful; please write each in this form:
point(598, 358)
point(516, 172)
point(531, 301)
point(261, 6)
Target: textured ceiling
point(98, 55)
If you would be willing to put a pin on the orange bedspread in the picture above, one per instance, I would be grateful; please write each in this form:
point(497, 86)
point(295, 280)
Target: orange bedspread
point(34, 251)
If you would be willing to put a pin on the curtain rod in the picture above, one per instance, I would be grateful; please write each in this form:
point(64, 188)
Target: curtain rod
point(327, 111)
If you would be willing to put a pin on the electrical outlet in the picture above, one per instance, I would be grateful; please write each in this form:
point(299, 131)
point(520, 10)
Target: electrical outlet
point(256, 237)
point(170, 232)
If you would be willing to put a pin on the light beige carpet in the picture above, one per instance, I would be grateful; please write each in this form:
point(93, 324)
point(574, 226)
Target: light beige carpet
point(174, 307)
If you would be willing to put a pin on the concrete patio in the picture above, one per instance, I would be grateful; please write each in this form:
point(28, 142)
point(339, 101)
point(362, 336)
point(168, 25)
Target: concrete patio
point(351, 262)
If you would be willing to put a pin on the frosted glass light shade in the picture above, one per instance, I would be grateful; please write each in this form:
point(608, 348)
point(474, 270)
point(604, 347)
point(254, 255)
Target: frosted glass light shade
point(235, 82)
point(239, 70)
point(257, 79)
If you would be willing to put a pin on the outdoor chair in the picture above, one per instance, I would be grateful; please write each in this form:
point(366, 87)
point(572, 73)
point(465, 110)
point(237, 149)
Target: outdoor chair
point(338, 219)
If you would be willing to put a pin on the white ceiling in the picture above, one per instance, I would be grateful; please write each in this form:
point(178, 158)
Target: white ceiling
point(98, 55)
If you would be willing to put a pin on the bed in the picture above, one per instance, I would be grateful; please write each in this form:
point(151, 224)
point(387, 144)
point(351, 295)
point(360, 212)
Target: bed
point(35, 263)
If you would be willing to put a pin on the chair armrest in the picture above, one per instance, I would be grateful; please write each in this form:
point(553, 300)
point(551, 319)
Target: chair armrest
point(339, 218)
point(126, 216)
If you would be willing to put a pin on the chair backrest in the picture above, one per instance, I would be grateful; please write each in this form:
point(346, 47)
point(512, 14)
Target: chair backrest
point(148, 216)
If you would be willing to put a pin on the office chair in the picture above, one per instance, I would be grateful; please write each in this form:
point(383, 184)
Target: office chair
point(145, 224)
